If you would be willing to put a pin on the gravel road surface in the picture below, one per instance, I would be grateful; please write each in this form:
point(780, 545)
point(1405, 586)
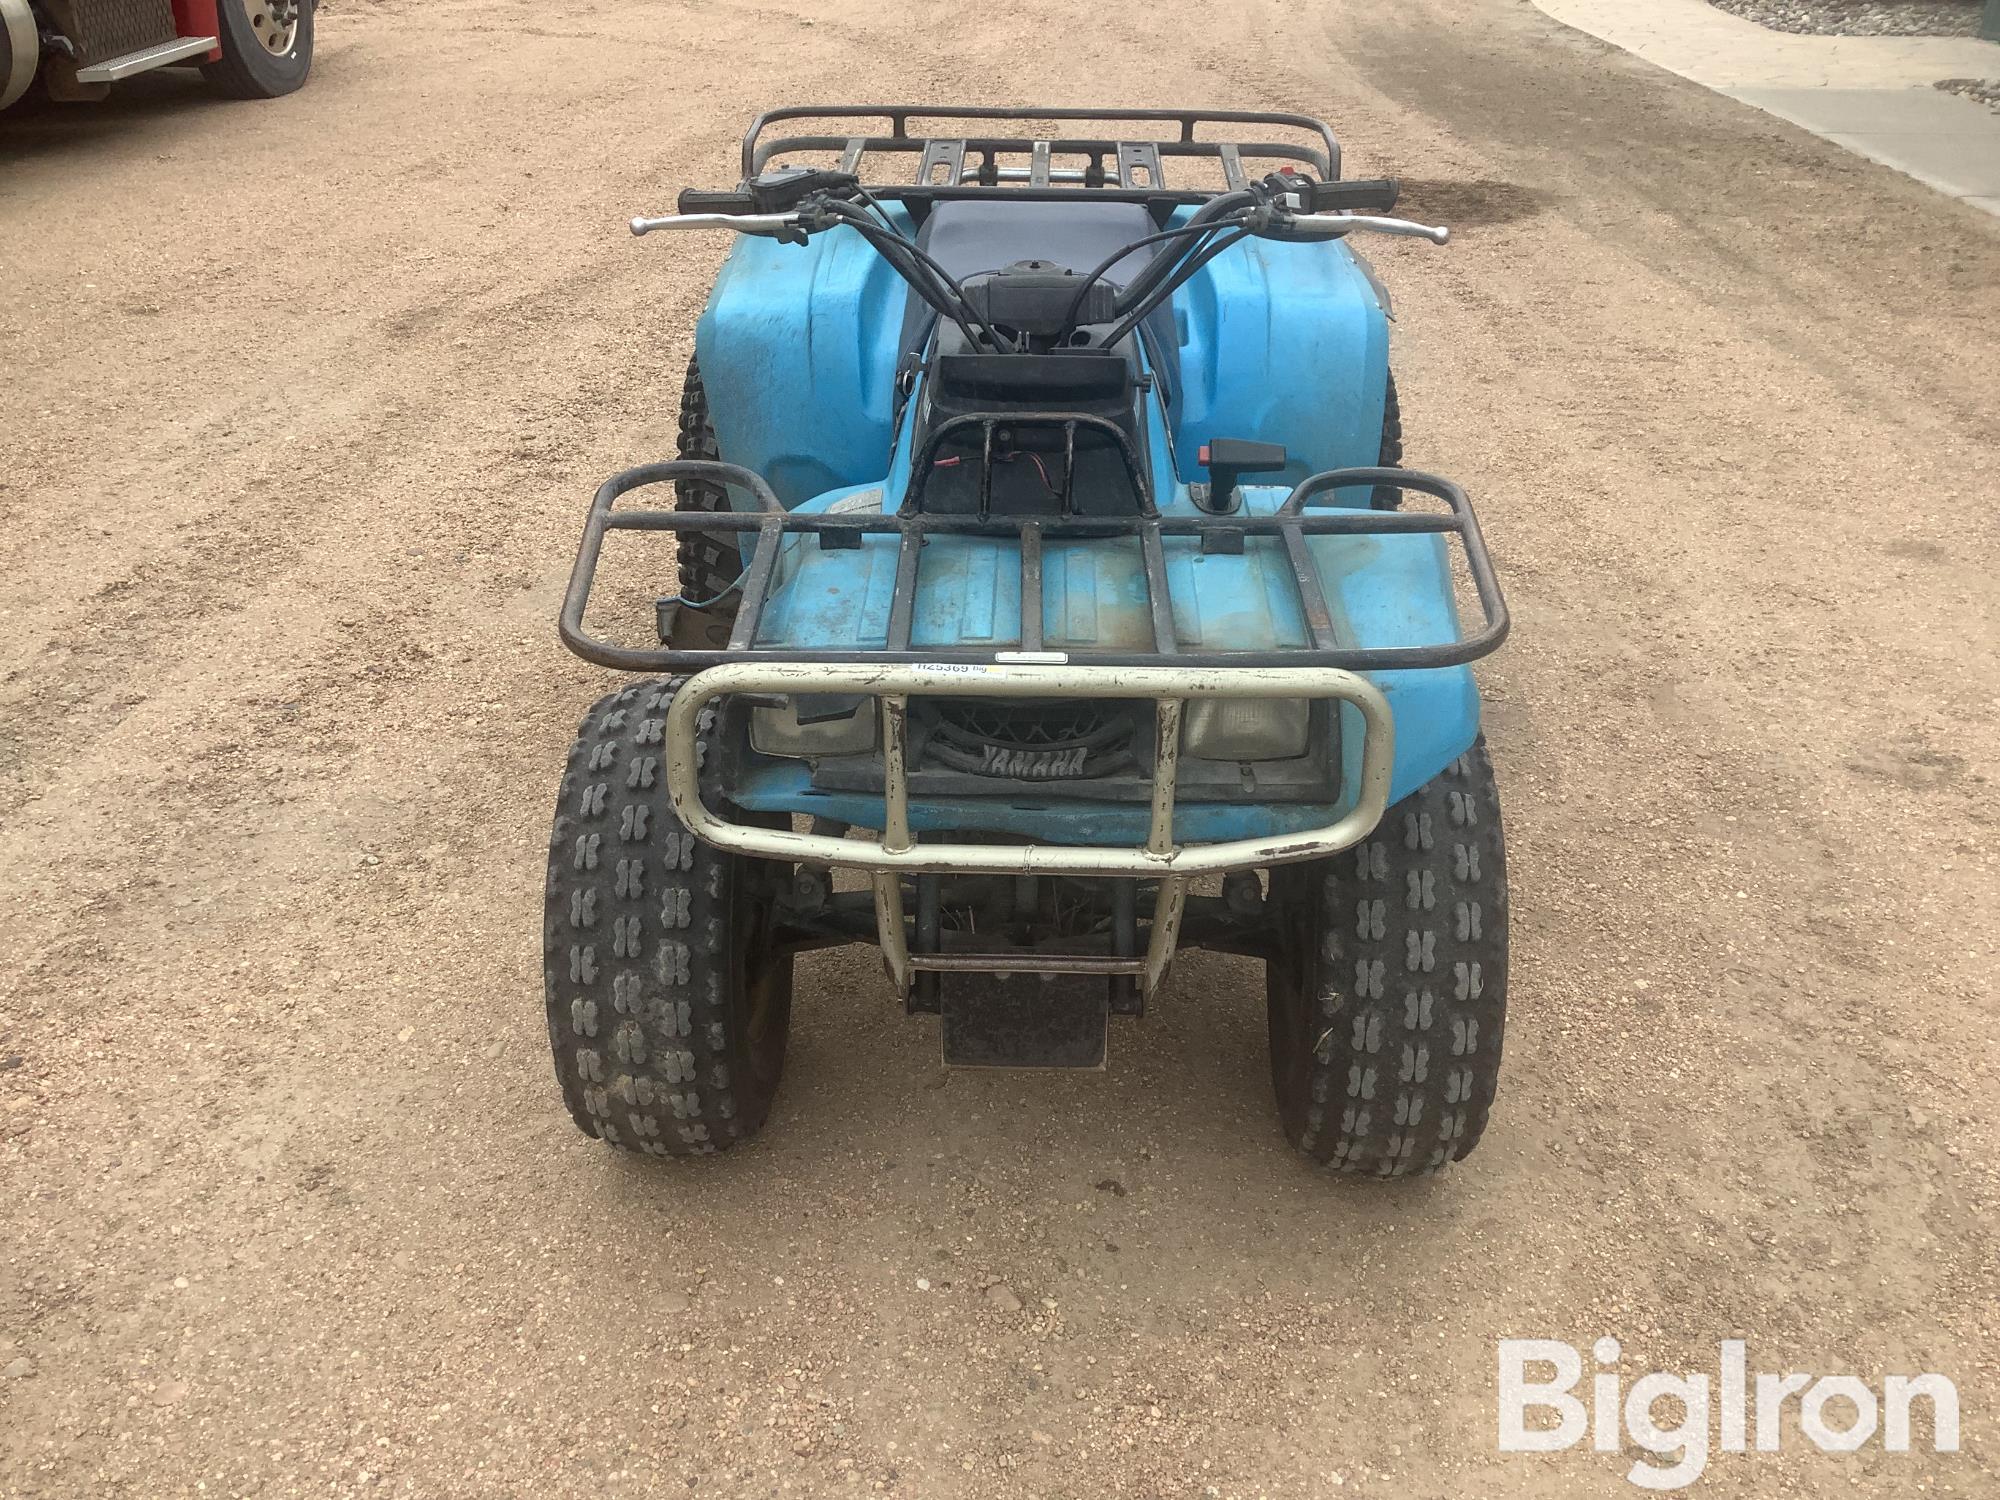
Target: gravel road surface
point(303, 404)
point(1861, 17)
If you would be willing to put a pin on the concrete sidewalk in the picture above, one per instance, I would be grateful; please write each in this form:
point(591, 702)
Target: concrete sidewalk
point(1871, 94)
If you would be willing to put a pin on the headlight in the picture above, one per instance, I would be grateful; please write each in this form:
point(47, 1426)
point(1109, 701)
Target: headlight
point(814, 724)
point(1246, 728)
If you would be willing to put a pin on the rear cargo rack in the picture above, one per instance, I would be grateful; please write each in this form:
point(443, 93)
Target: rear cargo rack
point(1291, 524)
point(974, 165)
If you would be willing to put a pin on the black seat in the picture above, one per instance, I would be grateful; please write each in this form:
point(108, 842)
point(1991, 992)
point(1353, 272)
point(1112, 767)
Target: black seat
point(969, 237)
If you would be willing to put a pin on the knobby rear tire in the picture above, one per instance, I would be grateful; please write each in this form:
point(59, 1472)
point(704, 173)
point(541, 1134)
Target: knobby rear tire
point(1387, 496)
point(709, 561)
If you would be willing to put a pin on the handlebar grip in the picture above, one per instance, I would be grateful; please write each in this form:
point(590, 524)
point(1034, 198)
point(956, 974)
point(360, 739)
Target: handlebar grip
point(705, 201)
point(1364, 195)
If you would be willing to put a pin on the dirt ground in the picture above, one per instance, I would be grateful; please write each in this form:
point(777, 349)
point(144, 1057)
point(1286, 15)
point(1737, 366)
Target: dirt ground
point(303, 402)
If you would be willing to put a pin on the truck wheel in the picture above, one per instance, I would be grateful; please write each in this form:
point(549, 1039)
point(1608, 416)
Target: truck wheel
point(668, 1007)
point(709, 561)
point(1387, 496)
point(1388, 995)
point(20, 50)
point(267, 47)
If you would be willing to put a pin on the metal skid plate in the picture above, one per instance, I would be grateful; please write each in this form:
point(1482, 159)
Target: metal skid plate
point(1033, 1020)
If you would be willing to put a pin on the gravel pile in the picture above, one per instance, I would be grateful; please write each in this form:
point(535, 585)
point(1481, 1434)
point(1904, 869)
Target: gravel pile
point(1861, 17)
point(1984, 91)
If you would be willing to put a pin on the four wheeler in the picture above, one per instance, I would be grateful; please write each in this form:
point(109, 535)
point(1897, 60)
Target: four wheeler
point(250, 49)
point(1041, 555)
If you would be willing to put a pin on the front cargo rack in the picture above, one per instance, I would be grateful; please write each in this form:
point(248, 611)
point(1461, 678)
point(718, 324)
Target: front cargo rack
point(1291, 524)
point(976, 165)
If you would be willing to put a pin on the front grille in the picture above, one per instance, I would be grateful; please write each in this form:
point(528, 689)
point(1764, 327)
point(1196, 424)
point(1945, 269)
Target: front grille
point(104, 29)
point(1057, 739)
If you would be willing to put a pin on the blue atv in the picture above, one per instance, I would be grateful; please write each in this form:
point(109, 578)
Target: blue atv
point(1044, 558)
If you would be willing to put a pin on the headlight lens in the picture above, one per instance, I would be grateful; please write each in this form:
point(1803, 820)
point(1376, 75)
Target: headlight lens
point(814, 725)
point(1246, 728)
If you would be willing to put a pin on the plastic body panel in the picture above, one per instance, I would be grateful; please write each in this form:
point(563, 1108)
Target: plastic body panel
point(1382, 590)
point(1282, 343)
point(1278, 343)
point(798, 351)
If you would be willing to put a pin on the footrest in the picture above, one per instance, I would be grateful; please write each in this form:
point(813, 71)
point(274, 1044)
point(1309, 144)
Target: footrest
point(689, 627)
point(1025, 1020)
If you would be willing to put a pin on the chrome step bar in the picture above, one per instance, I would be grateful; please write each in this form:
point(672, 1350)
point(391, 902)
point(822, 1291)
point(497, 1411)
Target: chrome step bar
point(180, 49)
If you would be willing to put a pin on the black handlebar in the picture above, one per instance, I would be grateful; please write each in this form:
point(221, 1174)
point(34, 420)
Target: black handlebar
point(823, 199)
point(775, 192)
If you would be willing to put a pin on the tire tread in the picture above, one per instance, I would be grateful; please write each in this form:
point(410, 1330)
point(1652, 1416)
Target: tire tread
point(1390, 455)
point(637, 948)
point(709, 561)
point(1406, 1010)
point(244, 71)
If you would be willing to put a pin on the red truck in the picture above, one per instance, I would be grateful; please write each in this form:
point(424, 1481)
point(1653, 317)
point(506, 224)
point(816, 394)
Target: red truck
point(250, 49)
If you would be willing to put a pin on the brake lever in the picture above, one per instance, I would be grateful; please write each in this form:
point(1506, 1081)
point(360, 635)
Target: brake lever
point(1331, 226)
point(779, 226)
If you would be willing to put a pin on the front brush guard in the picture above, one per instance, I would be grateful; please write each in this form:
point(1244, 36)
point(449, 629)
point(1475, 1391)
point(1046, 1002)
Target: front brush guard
point(1167, 674)
point(895, 852)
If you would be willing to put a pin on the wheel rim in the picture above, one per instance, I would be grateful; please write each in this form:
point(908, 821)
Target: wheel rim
point(275, 23)
point(20, 50)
